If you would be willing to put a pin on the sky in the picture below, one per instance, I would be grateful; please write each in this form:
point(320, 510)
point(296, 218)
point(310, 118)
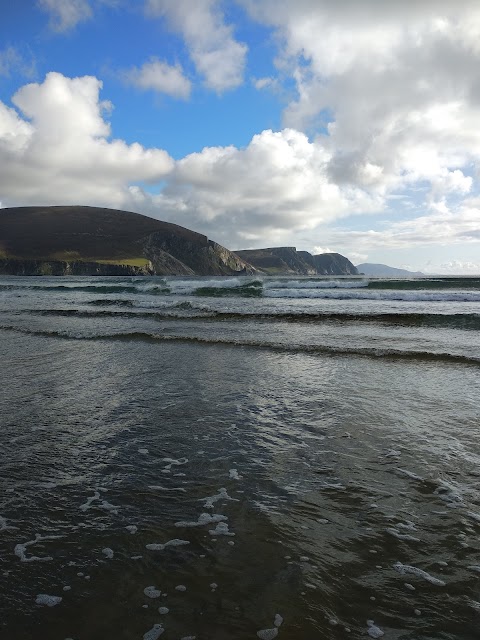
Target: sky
point(328, 125)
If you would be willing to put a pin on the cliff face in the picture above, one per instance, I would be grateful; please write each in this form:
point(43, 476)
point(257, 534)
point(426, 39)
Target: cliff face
point(11, 267)
point(169, 253)
point(287, 260)
point(93, 241)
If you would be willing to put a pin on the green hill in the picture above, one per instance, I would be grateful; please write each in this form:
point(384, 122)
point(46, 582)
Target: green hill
point(50, 237)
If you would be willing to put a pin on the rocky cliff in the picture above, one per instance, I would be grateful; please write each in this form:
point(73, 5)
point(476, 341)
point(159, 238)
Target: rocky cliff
point(287, 260)
point(93, 241)
point(13, 267)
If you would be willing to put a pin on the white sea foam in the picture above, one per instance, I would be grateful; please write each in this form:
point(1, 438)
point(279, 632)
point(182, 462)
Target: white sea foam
point(108, 552)
point(233, 474)
point(99, 503)
point(474, 567)
point(355, 294)
point(152, 592)
point(203, 519)
point(154, 633)
point(180, 587)
point(405, 568)
point(278, 620)
point(374, 631)
point(402, 536)
point(49, 601)
point(176, 542)
point(20, 549)
point(159, 487)
point(221, 530)
point(173, 462)
point(314, 284)
point(163, 610)
point(221, 495)
point(267, 634)
point(187, 287)
point(132, 528)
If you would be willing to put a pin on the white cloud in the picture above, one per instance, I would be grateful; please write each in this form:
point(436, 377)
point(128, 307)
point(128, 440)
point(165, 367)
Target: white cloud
point(60, 151)
point(441, 227)
point(161, 77)
point(212, 47)
point(275, 187)
point(265, 83)
point(12, 61)
point(56, 148)
point(397, 82)
point(66, 14)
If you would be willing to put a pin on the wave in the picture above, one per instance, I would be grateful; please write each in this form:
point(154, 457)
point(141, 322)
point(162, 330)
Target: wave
point(157, 289)
point(368, 352)
point(418, 289)
point(404, 296)
point(188, 311)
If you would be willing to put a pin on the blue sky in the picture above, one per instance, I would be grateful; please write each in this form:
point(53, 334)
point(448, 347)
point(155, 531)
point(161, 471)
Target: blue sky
point(349, 127)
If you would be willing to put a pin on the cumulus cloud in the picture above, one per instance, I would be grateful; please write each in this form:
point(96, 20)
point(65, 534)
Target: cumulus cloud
point(215, 52)
point(57, 149)
point(394, 83)
point(160, 77)
point(276, 186)
point(66, 14)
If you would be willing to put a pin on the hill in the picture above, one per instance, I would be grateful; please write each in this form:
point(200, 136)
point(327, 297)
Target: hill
point(287, 260)
point(383, 270)
point(91, 240)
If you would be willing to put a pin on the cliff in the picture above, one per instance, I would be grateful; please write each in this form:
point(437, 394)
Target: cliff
point(79, 240)
point(287, 260)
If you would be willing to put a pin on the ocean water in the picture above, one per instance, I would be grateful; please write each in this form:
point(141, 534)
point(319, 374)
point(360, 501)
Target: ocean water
point(234, 458)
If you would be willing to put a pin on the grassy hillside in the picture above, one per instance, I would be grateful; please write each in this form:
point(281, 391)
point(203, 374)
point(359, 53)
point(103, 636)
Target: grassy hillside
point(59, 237)
point(81, 234)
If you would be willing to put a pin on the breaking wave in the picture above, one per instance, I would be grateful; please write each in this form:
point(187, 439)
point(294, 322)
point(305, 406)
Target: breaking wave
point(146, 336)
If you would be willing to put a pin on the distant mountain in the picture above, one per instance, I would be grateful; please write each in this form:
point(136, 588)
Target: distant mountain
point(383, 270)
point(80, 240)
point(287, 260)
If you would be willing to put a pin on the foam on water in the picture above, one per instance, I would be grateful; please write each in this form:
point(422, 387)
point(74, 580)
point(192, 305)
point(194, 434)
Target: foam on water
point(152, 592)
point(132, 528)
point(176, 542)
point(159, 487)
point(405, 568)
point(154, 633)
point(221, 530)
point(355, 294)
point(20, 549)
point(108, 552)
point(402, 536)
point(314, 284)
point(203, 519)
point(46, 600)
point(221, 495)
point(374, 631)
point(97, 501)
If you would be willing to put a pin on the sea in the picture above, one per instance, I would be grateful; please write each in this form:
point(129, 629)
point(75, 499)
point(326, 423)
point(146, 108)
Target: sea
point(239, 457)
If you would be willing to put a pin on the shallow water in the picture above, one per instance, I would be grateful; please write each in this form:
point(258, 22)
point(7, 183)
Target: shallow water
point(342, 454)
